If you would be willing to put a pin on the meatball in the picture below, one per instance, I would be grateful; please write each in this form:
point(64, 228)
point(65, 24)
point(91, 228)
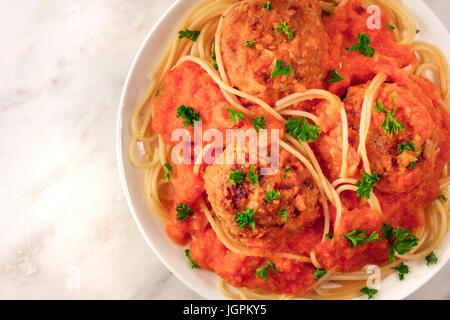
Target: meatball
point(299, 197)
point(305, 49)
point(403, 160)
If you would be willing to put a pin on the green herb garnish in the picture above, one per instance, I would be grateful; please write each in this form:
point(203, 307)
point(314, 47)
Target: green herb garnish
point(253, 176)
point(272, 195)
point(366, 184)
point(167, 169)
point(402, 270)
point(191, 263)
point(183, 212)
point(335, 76)
point(279, 70)
point(189, 116)
point(263, 271)
point(363, 46)
point(358, 238)
point(245, 218)
point(188, 34)
point(302, 130)
point(283, 27)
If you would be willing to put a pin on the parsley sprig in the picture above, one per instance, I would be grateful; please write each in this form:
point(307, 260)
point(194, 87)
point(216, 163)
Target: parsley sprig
point(268, 6)
point(363, 46)
point(263, 272)
point(319, 273)
point(253, 176)
point(192, 264)
point(366, 184)
point(188, 34)
point(408, 145)
point(250, 43)
point(167, 169)
point(431, 259)
point(214, 57)
point(286, 172)
point(370, 292)
point(236, 177)
point(401, 240)
point(189, 116)
point(245, 218)
point(442, 197)
point(390, 125)
point(302, 130)
point(272, 195)
point(335, 76)
point(358, 237)
point(235, 116)
point(283, 27)
point(183, 212)
point(279, 70)
point(283, 214)
point(402, 270)
point(258, 123)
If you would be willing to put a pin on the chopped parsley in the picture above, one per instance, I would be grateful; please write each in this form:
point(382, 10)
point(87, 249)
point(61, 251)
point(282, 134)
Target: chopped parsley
point(408, 145)
point(402, 270)
point(286, 171)
point(366, 184)
point(245, 218)
point(191, 263)
point(279, 70)
point(411, 165)
point(188, 34)
point(189, 116)
point(236, 177)
point(390, 26)
point(363, 46)
point(235, 116)
point(283, 27)
point(414, 163)
point(263, 271)
point(319, 273)
point(253, 176)
point(167, 168)
point(183, 212)
point(442, 197)
point(213, 56)
point(358, 238)
point(268, 6)
point(431, 259)
point(370, 292)
point(417, 31)
point(329, 236)
point(302, 130)
point(258, 123)
point(283, 213)
point(401, 240)
point(250, 44)
point(390, 125)
point(335, 76)
point(332, 9)
point(272, 195)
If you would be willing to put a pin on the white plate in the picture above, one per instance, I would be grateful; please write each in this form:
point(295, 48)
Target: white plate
point(203, 282)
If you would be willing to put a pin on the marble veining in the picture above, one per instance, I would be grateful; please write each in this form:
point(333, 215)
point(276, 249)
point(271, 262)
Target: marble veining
point(65, 229)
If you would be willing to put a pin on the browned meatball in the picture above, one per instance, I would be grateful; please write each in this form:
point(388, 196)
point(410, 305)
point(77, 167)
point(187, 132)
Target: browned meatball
point(249, 69)
point(401, 169)
point(299, 196)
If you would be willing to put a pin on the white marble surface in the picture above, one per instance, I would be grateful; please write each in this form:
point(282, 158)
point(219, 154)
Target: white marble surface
point(63, 216)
